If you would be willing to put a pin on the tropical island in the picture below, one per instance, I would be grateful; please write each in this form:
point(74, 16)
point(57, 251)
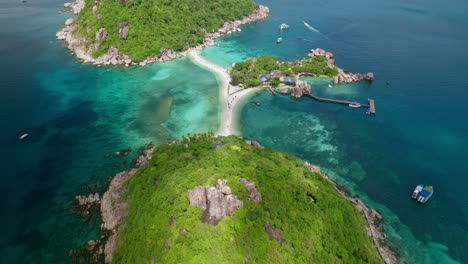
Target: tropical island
point(130, 32)
point(207, 199)
point(268, 70)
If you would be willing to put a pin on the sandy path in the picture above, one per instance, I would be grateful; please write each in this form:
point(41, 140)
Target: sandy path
point(229, 103)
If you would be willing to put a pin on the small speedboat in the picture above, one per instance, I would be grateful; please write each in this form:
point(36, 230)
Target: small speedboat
point(422, 193)
point(283, 27)
point(329, 86)
point(278, 40)
point(24, 136)
point(355, 105)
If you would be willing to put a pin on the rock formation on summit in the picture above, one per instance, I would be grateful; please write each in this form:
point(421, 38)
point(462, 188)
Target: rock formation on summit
point(216, 202)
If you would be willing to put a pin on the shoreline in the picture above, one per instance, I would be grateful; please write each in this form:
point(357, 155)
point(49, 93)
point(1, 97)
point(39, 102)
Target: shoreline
point(230, 102)
point(78, 45)
point(371, 216)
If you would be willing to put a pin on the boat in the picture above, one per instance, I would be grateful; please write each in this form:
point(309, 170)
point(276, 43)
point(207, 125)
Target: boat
point(422, 193)
point(310, 27)
point(278, 40)
point(355, 105)
point(329, 86)
point(24, 136)
point(368, 112)
point(283, 27)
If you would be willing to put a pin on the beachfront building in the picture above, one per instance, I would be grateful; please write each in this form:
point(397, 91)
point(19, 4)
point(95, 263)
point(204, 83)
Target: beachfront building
point(289, 81)
point(264, 78)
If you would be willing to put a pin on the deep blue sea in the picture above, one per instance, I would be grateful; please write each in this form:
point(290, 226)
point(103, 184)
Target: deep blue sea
point(77, 116)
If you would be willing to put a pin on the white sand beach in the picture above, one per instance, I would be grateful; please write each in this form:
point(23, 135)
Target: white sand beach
point(229, 102)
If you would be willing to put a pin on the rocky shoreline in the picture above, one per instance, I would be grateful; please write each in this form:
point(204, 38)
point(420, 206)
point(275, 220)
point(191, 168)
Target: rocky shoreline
point(112, 209)
point(342, 76)
point(373, 219)
point(79, 45)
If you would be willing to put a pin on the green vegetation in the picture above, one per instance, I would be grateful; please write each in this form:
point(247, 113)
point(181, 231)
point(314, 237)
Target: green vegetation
point(325, 229)
point(248, 71)
point(156, 24)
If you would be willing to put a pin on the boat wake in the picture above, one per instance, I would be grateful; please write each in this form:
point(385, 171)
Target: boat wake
point(310, 27)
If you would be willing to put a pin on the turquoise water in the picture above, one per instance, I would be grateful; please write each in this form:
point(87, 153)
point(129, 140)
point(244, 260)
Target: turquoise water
point(79, 115)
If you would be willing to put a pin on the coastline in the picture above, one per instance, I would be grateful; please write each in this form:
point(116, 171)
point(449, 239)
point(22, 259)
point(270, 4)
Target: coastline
point(230, 102)
point(372, 217)
point(78, 45)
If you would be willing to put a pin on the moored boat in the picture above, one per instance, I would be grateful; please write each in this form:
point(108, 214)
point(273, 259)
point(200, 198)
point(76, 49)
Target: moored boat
point(23, 136)
point(422, 193)
point(416, 191)
point(355, 105)
point(283, 27)
point(278, 40)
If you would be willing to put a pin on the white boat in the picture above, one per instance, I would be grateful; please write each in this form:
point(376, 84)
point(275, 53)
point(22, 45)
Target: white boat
point(23, 136)
point(355, 105)
point(278, 40)
point(310, 27)
point(283, 27)
point(329, 86)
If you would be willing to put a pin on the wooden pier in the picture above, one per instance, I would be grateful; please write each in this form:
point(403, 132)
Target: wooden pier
point(370, 105)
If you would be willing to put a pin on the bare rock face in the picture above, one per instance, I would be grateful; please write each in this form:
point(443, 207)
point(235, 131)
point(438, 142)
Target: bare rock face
point(253, 143)
point(167, 55)
point(216, 202)
point(76, 6)
point(274, 233)
point(254, 194)
point(123, 31)
point(101, 34)
point(311, 167)
point(300, 89)
point(86, 202)
point(95, 9)
point(113, 210)
point(69, 21)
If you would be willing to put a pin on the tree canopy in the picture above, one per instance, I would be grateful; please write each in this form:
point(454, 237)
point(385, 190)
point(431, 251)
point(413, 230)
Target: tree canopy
point(157, 24)
point(318, 225)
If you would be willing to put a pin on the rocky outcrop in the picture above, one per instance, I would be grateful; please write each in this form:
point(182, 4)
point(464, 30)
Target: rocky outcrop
point(254, 194)
point(300, 89)
point(83, 49)
point(311, 167)
point(101, 34)
point(274, 233)
point(76, 6)
point(347, 77)
point(253, 143)
point(374, 229)
point(114, 210)
point(123, 30)
point(216, 202)
point(86, 202)
point(342, 76)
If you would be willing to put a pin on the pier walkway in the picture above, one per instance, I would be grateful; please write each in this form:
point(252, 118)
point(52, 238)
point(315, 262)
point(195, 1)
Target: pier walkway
point(370, 103)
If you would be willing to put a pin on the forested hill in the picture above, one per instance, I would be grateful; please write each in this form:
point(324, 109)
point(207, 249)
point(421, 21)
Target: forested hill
point(155, 24)
point(228, 200)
